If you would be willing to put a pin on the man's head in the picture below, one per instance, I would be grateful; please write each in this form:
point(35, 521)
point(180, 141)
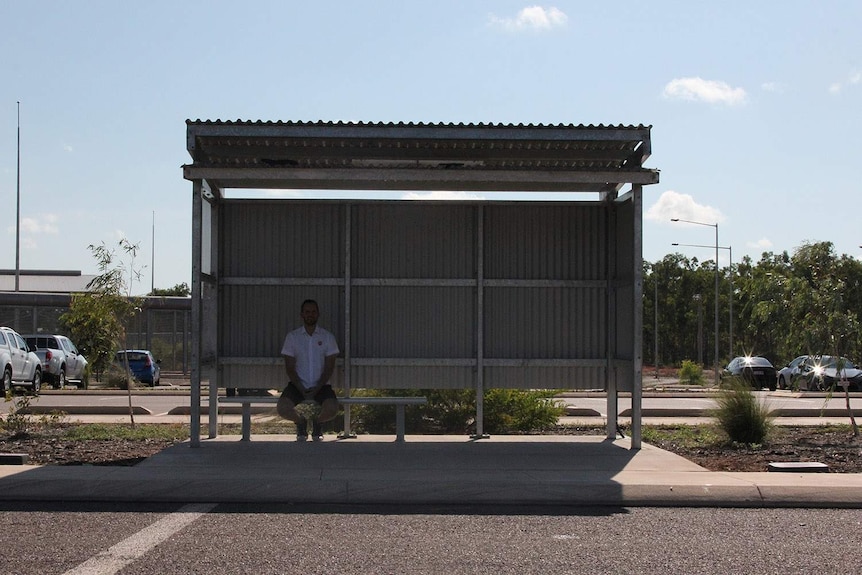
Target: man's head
point(309, 312)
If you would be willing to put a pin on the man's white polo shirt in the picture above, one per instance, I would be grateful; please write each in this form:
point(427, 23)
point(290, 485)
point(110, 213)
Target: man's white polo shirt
point(310, 352)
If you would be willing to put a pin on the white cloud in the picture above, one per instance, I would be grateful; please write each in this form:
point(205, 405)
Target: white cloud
point(672, 204)
point(68, 148)
point(852, 79)
point(440, 195)
point(772, 87)
point(762, 244)
point(30, 228)
point(45, 224)
point(532, 18)
point(700, 90)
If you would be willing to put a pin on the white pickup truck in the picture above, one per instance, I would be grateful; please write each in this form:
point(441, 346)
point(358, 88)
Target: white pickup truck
point(19, 364)
point(61, 362)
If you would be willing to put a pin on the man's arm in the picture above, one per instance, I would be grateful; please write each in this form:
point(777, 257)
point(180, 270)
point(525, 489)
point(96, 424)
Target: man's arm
point(328, 370)
point(290, 367)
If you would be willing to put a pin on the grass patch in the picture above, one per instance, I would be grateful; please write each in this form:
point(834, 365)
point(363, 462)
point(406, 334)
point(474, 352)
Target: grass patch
point(685, 436)
point(102, 431)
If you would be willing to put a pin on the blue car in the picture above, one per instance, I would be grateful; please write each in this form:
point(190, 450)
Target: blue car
point(142, 364)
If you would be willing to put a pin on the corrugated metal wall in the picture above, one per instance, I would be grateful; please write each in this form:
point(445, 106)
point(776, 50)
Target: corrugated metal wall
point(410, 289)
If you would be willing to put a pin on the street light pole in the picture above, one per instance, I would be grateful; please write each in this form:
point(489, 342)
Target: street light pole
point(655, 314)
point(715, 225)
point(730, 300)
point(18, 210)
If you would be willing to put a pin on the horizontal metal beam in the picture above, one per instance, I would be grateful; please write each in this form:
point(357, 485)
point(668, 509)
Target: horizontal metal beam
point(421, 282)
point(291, 153)
point(40, 299)
point(418, 179)
point(429, 362)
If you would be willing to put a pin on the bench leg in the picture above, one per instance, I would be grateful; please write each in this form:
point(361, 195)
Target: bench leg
point(399, 422)
point(347, 434)
point(246, 422)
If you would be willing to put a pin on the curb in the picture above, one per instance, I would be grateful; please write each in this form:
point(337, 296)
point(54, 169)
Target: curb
point(86, 410)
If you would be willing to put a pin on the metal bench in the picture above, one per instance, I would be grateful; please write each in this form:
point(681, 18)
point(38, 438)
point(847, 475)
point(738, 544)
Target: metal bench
point(398, 402)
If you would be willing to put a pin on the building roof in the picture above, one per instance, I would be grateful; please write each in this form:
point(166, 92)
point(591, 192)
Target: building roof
point(45, 281)
point(408, 156)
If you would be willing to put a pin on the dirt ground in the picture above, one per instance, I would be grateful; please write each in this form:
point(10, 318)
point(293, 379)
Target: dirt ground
point(833, 446)
point(46, 450)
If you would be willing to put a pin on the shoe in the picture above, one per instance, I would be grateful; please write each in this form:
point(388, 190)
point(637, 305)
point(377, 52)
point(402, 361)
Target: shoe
point(302, 430)
point(316, 433)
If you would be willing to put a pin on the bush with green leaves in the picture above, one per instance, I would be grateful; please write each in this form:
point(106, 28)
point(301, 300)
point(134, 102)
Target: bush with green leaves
point(19, 423)
point(691, 373)
point(742, 416)
point(454, 411)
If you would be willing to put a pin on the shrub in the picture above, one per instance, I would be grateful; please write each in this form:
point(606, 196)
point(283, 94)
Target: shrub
point(19, 423)
point(512, 410)
point(691, 373)
point(115, 376)
point(454, 411)
point(744, 418)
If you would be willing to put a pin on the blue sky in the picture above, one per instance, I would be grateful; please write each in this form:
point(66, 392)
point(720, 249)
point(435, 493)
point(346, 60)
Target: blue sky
point(755, 106)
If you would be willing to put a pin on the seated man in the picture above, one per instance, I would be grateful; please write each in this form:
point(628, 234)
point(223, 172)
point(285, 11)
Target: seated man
point(309, 358)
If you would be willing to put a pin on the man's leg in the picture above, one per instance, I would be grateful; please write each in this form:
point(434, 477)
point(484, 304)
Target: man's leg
point(328, 410)
point(286, 408)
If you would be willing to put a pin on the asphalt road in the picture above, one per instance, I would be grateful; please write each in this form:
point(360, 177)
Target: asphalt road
point(65, 539)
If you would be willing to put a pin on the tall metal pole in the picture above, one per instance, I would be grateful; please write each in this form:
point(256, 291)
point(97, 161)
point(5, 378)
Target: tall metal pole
point(730, 303)
point(655, 310)
point(18, 211)
point(716, 305)
point(153, 258)
point(715, 225)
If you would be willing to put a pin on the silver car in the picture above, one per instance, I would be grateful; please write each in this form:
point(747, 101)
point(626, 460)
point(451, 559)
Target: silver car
point(819, 373)
point(19, 364)
point(61, 361)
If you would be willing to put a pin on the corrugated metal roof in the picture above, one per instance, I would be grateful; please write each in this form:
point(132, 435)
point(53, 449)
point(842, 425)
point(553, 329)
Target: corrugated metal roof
point(412, 124)
point(358, 155)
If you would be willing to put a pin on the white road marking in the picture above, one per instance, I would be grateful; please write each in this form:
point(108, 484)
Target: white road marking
point(114, 559)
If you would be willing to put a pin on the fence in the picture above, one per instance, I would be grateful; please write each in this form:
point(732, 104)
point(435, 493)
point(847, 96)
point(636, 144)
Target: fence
point(163, 326)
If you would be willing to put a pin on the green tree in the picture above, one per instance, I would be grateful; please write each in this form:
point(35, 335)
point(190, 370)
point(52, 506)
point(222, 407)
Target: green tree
point(685, 287)
point(179, 290)
point(761, 291)
point(97, 318)
point(784, 305)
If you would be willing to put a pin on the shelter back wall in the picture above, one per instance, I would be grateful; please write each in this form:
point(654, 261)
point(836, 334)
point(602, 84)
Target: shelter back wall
point(419, 294)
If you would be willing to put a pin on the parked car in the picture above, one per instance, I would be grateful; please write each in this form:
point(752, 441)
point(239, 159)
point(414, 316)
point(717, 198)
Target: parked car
point(20, 365)
point(60, 359)
point(756, 371)
point(144, 367)
point(819, 372)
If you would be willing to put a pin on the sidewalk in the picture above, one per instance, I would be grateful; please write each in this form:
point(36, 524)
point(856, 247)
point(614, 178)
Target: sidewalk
point(450, 470)
point(444, 470)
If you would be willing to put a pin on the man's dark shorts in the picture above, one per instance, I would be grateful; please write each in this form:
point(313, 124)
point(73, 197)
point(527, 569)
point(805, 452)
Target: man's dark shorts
point(293, 394)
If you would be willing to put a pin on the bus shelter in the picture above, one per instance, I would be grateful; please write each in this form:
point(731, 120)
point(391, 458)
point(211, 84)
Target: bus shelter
point(524, 292)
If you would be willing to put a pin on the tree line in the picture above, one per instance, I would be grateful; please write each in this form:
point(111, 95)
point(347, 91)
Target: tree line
point(781, 306)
